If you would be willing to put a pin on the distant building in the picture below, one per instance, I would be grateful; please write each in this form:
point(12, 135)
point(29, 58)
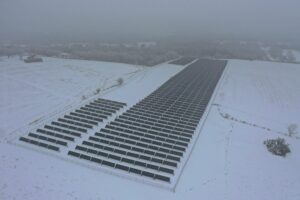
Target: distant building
point(33, 58)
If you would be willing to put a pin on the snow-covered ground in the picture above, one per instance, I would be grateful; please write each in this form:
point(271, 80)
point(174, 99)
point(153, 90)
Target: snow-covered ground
point(30, 92)
point(229, 160)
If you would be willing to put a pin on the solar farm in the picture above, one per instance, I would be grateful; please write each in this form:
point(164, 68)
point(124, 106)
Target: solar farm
point(149, 141)
point(184, 129)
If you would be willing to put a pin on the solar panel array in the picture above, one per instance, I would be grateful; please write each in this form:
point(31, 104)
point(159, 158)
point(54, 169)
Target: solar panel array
point(66, 129)
point(150, 139)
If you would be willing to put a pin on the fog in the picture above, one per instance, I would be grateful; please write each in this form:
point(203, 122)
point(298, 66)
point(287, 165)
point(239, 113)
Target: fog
point(96, 19)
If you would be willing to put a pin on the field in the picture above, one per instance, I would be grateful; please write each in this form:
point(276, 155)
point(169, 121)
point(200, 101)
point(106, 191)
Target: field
point(254, 101)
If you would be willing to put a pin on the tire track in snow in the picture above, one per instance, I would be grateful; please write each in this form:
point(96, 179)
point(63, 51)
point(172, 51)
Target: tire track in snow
point(231, 118)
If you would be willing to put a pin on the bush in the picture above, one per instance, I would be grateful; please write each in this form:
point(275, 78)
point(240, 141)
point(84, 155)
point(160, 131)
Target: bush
point(226, 116)
point(83, 97)
point(97, 91)
point(277, 146)
point(120, 81)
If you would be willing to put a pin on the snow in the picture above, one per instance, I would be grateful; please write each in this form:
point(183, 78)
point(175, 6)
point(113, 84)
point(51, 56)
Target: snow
point(229, 160)
point(272, 92)
point(30, 91)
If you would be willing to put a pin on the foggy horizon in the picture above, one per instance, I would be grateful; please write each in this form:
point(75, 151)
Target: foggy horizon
point(131, 19)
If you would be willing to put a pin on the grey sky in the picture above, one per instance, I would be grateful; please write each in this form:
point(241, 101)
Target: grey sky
point(258, 18)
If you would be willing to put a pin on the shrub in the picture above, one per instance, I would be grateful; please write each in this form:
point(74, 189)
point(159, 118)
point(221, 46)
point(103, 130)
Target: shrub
point(83, 97)
point(226, 116)
point(277, 146)
point(98, 90)
point(120, 81)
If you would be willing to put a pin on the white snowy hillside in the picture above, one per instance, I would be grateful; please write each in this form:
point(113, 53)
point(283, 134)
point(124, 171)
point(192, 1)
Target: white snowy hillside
point(253, 101)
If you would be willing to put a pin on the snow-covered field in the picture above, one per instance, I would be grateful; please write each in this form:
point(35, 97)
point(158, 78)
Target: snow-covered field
point(30, 92)
point(229, 160)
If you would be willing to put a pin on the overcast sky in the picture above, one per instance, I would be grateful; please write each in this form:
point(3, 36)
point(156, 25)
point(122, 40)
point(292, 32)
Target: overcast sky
point(119, 18)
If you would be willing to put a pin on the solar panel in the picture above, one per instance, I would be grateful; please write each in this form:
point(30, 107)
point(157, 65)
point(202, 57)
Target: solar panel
point(92, 114)
point(127, 147)
point(67, 121)
point(101, 108)
point(40, 144)
point(72, 133)
point(95, 123)
point(107, 163)
point(91, 110)
point(86, 117)
point(69, 127)
point(53, 134)
point(47, 139)
point(101, 105)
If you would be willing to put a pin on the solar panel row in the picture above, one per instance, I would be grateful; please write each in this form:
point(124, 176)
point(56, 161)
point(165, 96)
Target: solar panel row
point(152, 136)
point(51, 140)
point(86, 116)
point(129, 152)
point(119, 166)
point(108, 152)
point(40, 144)
point(73, 125)
point(81, 120)
point(56, 135)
